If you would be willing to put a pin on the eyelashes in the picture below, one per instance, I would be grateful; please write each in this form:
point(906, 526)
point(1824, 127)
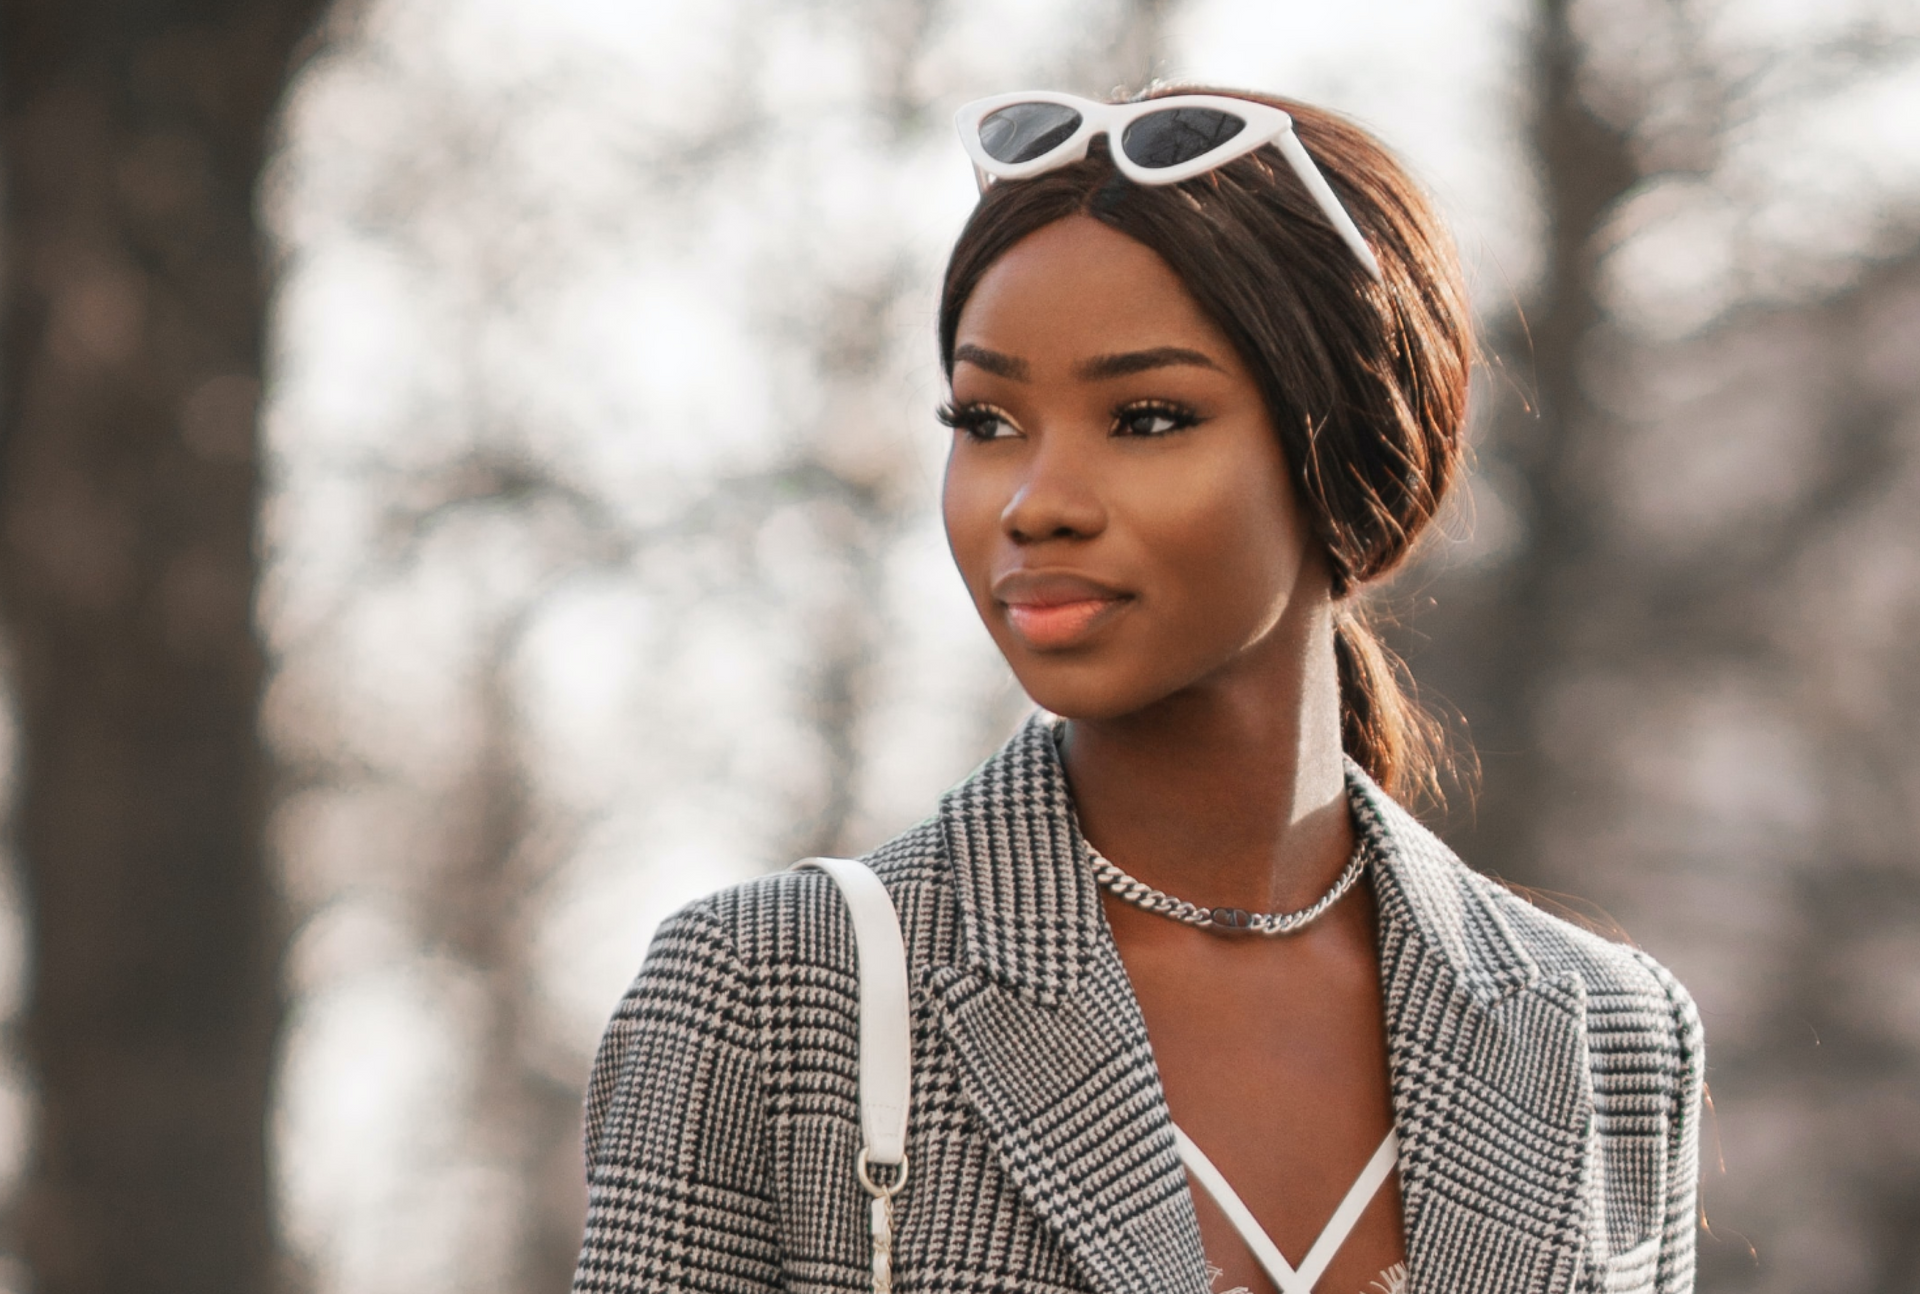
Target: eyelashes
point(1151, 418)
point(978, 420)
point(1140, 419)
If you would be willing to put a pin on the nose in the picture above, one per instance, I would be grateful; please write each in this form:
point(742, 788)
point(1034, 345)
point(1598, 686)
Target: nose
point(1055, 499)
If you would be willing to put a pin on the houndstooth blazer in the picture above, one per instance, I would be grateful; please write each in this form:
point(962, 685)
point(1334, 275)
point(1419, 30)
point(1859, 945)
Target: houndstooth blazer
point(1546, 1082)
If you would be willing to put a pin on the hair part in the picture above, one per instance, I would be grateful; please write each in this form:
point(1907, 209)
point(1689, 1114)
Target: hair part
point(1366, 382)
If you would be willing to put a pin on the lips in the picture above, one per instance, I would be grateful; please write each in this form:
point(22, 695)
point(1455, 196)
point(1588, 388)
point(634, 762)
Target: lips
point(1051, 610)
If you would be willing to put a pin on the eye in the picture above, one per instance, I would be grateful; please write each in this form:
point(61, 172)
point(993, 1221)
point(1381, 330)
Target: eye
point(978, 421)
point(1152, 418)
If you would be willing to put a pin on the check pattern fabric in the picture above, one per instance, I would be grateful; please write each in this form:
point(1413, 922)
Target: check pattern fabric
point(1546, 1082)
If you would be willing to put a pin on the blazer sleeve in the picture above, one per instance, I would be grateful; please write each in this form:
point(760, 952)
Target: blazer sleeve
point(1681, 1225)
point(677, 1180)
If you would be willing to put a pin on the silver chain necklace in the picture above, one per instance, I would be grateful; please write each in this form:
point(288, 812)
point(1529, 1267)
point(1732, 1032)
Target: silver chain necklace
point(1144, 896)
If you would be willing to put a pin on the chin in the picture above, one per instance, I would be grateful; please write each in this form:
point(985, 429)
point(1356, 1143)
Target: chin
point(1085, 692)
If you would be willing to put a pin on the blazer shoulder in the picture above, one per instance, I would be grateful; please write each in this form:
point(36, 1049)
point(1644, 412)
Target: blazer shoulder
point(1497, 930)
point(1500, 929)
point(788, 918)
point(1612, 971)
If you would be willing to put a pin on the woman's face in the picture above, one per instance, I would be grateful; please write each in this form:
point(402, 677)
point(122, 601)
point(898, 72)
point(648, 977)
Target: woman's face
point(1116, 498)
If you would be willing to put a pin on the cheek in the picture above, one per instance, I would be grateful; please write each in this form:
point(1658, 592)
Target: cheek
point(1231, 546)
point(971, 516)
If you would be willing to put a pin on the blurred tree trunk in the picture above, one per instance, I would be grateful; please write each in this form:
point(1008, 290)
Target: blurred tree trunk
point(134, 135)
point(1511, 631)
point(478, 912)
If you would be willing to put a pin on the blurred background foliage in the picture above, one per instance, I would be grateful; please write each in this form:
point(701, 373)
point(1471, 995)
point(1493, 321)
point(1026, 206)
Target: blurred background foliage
point(555, 382)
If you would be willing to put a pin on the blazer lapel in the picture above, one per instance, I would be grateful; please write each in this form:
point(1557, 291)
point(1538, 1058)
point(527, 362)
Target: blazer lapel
point(1492, 1092)
point(1052, 1049)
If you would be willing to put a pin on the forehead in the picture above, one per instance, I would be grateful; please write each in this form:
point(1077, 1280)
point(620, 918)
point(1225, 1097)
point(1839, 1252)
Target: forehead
point(1077, 288)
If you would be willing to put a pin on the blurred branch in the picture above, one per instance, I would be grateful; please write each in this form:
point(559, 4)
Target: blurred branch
point(1775, 78)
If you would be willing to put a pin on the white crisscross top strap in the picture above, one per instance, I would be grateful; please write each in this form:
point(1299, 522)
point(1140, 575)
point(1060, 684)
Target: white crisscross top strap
point(1287, 1278)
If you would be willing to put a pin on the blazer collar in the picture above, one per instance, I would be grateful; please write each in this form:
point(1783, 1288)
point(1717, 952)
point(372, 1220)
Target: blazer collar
point(1491, 1085)
point(1049, 1044)
point(1430, 901)
point(1029, 907)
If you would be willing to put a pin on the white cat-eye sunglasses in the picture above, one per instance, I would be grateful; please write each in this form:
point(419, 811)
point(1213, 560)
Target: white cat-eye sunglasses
point(1155, 141)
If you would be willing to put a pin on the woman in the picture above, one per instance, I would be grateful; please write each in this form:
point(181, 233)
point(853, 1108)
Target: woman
point(1201, 396)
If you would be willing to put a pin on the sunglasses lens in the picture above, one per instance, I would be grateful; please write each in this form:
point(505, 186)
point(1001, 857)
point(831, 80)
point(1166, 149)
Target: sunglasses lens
point(1024, 131)
point(1162, 139)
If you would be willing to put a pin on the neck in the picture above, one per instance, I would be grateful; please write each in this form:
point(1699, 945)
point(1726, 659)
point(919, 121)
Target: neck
point(1231, 792)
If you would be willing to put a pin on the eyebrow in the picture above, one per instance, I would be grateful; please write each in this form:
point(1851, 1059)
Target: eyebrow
point(1140, 361)
point(993, 361)
point(1093, 370)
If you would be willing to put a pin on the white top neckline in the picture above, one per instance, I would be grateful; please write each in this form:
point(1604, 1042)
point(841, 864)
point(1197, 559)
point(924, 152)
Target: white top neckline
point(1289, 1279)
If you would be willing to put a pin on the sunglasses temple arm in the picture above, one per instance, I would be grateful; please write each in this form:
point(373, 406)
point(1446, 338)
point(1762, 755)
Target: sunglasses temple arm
point(981, 178)
point(1302, 163)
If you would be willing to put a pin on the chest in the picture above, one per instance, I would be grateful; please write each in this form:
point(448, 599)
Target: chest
point(1273, 1057)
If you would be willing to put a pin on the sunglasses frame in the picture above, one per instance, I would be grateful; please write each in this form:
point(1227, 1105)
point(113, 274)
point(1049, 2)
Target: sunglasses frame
point(1265, 124)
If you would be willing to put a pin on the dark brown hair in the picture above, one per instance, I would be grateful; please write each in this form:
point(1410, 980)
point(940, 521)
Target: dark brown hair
point(1366, 382)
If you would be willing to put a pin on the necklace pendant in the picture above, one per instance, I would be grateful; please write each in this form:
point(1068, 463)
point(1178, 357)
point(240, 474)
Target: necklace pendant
point(1232, 918)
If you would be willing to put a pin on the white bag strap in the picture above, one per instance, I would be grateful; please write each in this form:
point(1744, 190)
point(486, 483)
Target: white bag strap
point(886, 1031)
point(886, 1045)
